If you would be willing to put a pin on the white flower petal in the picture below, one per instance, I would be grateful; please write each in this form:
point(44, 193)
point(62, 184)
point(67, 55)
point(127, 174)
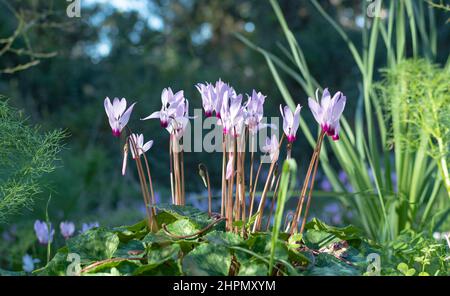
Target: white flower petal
point(316, 110)
point(154, 115)
point(147, 146)
point(125, 117)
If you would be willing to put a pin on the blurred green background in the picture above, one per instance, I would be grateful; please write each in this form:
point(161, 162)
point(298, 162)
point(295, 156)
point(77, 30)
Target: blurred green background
point(134, 49)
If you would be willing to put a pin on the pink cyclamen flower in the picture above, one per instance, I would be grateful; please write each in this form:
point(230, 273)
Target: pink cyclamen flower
point(169, 101)
point(141, 148)
point(232, 113)
point(291, 121)
point(328, 112)
point(117, 116)
point(254, 109)
point(180, 120)
point(138, 141)
point(44, 233)
point(221, 90)
point(67, 229)
point(209, 97)
point(272, 148)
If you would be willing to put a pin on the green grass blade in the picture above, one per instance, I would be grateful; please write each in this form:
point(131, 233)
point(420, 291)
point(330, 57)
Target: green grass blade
point(287, 181)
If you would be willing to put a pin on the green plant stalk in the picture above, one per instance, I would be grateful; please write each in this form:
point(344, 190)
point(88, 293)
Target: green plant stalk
point(274, 199)
point(442, 165)
point(288, 176)
point(262, 202)
point(47, 221)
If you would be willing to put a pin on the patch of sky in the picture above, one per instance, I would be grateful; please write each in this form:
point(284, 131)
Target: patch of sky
point(249, 27)
point(145, 10)
point(202, 34)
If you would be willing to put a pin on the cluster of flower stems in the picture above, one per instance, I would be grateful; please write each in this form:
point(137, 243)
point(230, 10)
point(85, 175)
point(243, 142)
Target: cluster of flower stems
point(235, 195)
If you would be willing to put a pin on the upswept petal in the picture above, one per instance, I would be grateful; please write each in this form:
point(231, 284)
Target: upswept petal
point(296, 120)
point(326, 98)
point(338, 106)
point(316, 110)
point(147, 146)
point(154, 115)
point(119, 107)
point(123, 120)
point(108, 107)
point(164, 97)
point(288, 115)
point(178, 97)
point(140, 140)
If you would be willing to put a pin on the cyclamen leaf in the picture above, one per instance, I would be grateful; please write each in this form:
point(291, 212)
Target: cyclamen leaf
point(94, 245)
point(207, 259)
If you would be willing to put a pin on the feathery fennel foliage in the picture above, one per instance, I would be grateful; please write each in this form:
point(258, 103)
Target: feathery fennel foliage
point(26, 154)
point(419, 91)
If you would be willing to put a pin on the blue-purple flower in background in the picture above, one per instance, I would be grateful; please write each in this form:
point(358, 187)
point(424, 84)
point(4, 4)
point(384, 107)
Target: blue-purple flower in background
point(88, 226)
point(325, 185)
point(333, 213)
point(44, 232)
point(67, 229)
point(28, 263)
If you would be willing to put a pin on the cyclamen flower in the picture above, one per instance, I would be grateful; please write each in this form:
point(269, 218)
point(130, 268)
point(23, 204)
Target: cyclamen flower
point(28, 263)
point(169, 101)
point(181, 120)
point(232, 113)
point(221, 90)
point(88, 226)
point(138, 141)
point(328, 112)
point(209, 97)
point(291, 122)
point(141, 148)
point(67, 229)
point(272, 148)
point(43, 233)
point(117, 116)
point(254, 111)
